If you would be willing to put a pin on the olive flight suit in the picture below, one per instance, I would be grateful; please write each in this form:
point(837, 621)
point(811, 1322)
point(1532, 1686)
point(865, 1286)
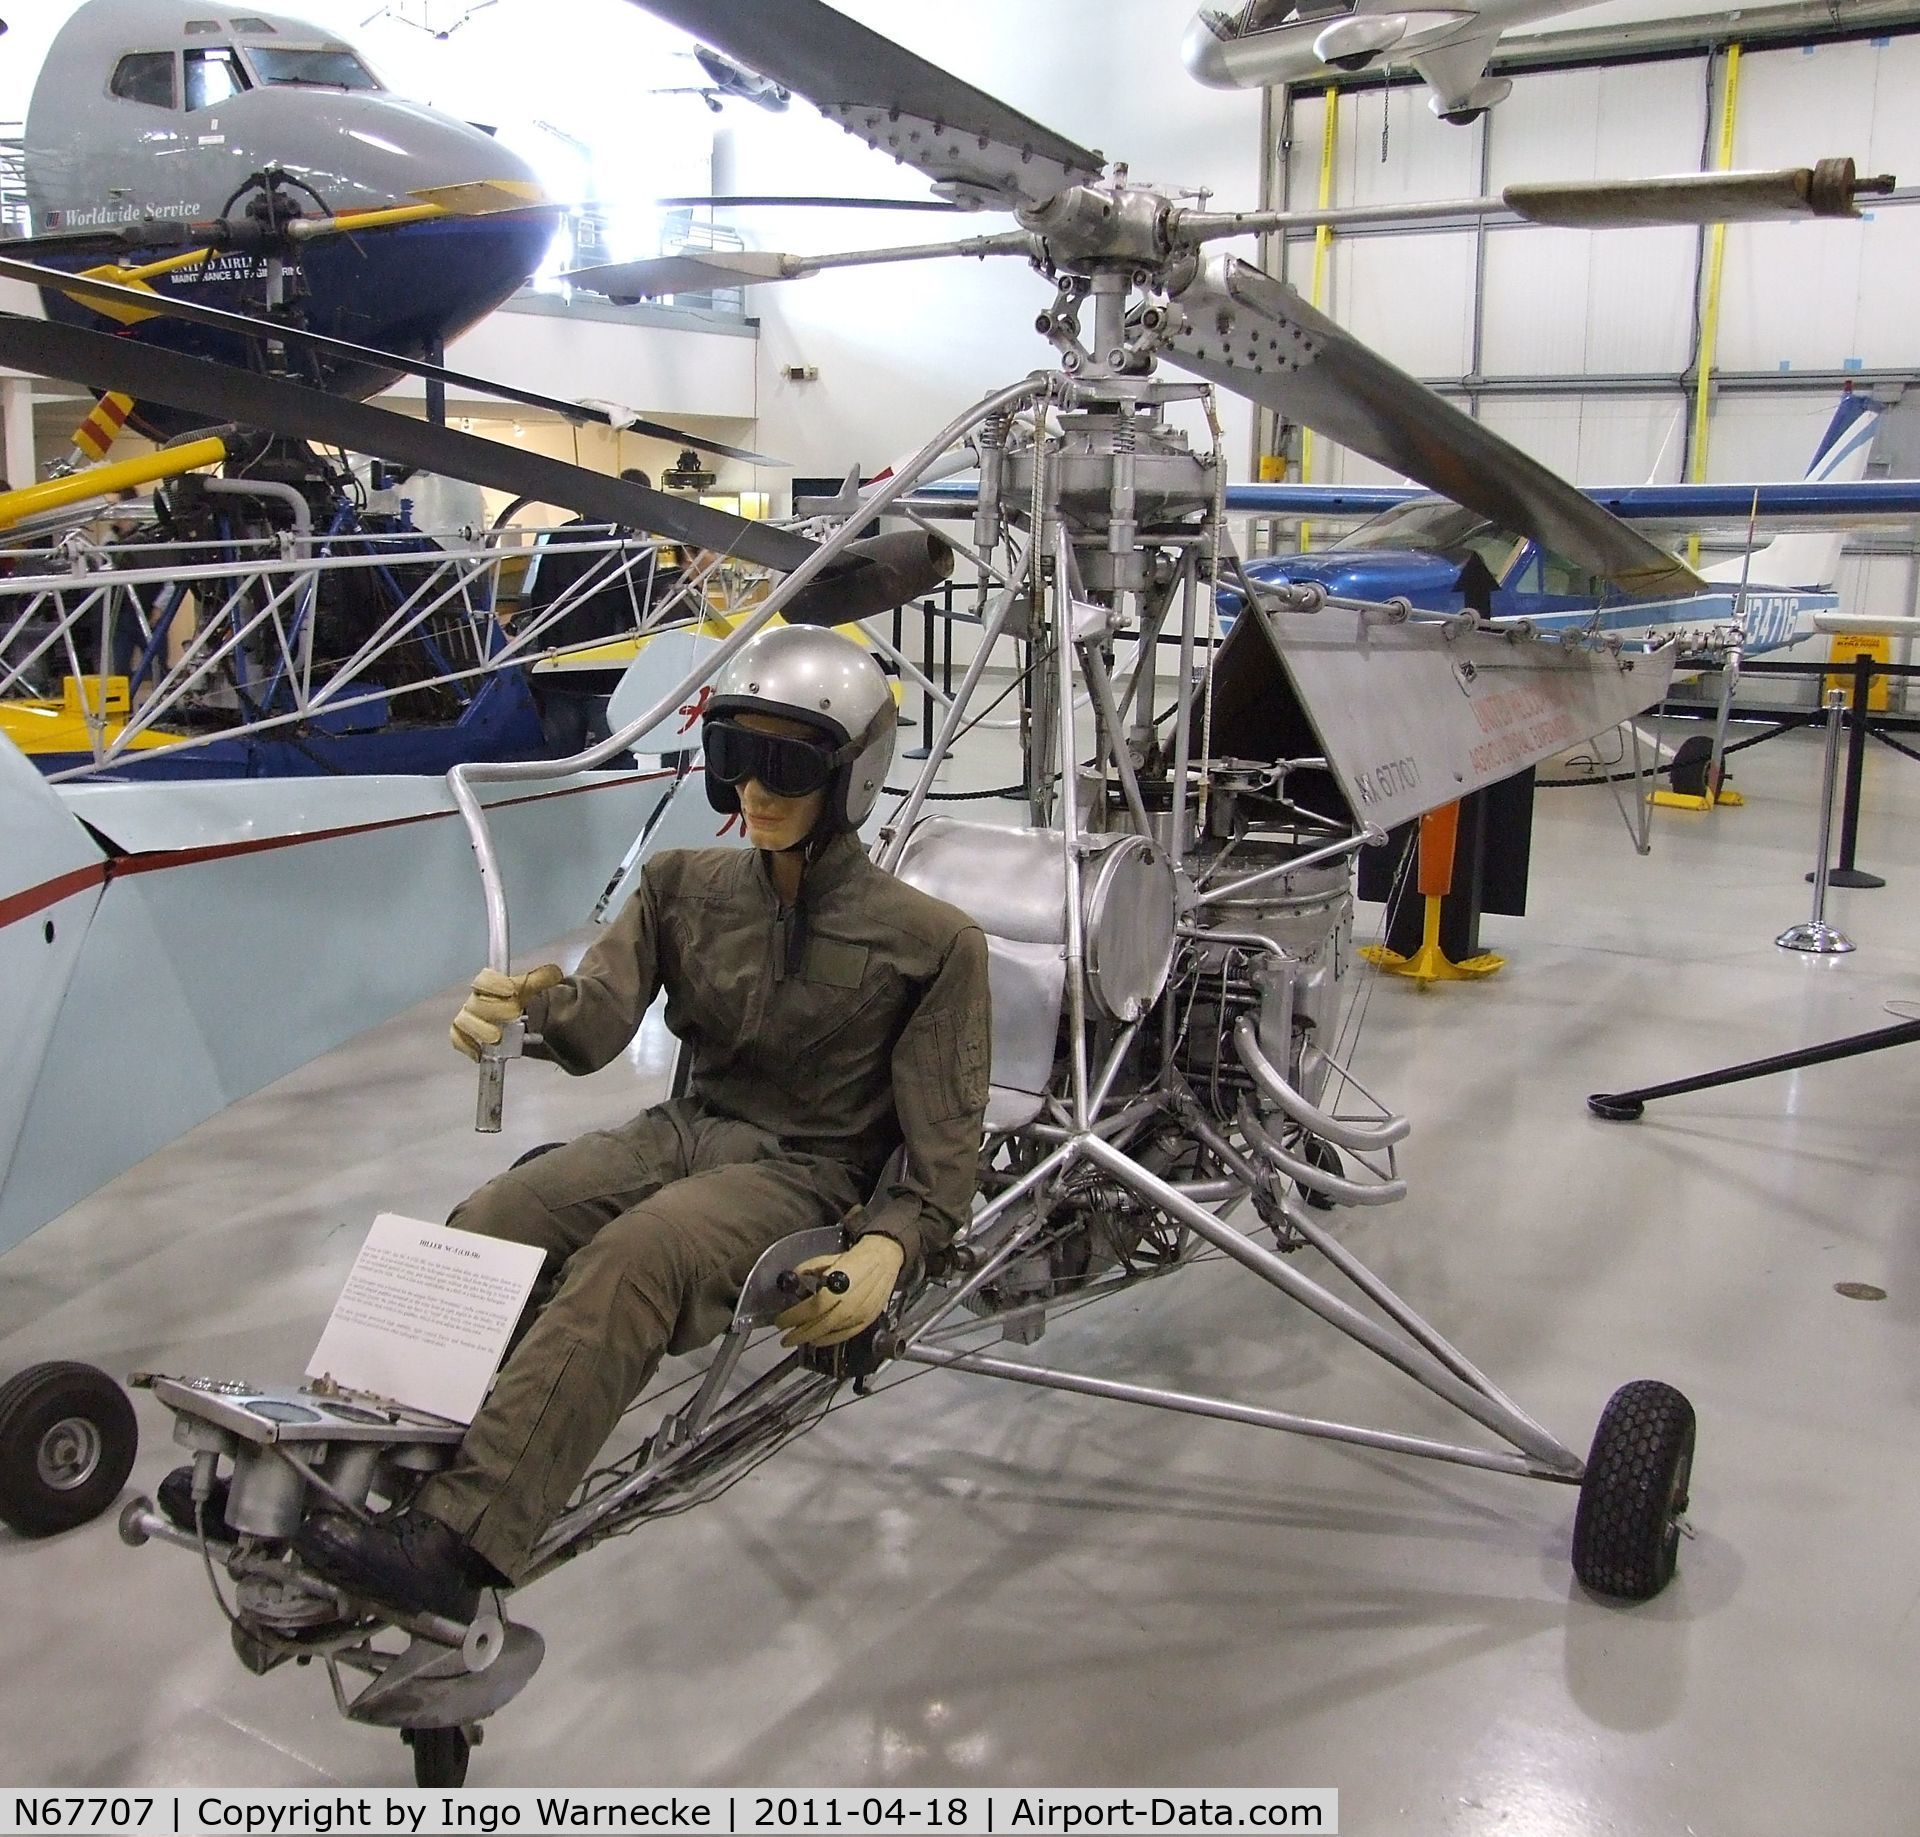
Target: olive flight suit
point(821, 1036)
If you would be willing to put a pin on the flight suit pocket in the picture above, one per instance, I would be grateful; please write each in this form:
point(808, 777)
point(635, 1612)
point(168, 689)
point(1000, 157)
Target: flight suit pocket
point(832, 991)
point(836, 964)
point(948, 1064)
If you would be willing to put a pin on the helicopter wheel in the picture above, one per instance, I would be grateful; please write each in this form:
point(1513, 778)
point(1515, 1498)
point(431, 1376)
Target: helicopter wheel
point(67, 1442)
point(1326, 1157)
point(1626, 1532)
point(440, 1755)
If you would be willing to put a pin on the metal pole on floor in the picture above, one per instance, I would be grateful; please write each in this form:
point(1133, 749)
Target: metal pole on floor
point(1846, 874)
point(1816, 935)
point(926, 695)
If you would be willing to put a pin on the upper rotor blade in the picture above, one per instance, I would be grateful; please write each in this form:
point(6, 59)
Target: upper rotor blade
point(1826, 190)
point(1256, 336)
point(895, 101)
point(108, 294)
point(297, 412)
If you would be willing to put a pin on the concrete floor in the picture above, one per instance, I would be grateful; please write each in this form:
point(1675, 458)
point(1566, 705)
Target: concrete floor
point(964, 1582)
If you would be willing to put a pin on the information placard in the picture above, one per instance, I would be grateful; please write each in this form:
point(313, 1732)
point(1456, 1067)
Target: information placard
point(425, 1315)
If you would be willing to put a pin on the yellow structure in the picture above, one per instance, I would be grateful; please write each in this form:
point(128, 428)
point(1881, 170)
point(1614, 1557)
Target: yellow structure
point(1439, 831)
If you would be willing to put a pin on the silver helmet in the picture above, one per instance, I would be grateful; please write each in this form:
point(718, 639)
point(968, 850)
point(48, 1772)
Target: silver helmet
point(807, 673)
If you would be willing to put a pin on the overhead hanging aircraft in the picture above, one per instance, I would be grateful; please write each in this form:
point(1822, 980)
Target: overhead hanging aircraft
point(1298, 41)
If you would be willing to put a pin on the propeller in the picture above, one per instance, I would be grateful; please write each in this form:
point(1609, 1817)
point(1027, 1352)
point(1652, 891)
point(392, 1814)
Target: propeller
point(1242, 329)
point(294, 411)
point(129, 299)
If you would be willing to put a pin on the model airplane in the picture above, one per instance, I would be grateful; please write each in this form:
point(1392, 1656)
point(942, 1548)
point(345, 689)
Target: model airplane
point(1427, 550)
point(1301, 41)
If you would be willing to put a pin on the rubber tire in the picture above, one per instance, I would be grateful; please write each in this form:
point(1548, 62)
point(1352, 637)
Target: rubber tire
point(1687, 770)
point(1326, 1157)
point(32, 1403)
point(439, 1755)
point(1626, 1532)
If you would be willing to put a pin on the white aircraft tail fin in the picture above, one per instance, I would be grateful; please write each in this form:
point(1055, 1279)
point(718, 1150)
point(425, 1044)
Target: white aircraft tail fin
point(1811, 558)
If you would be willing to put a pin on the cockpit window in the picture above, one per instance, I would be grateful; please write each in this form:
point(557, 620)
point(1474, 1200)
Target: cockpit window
point(247, 22)
point(324, 67)
point(1435, 526)
point(145, 76)
point(1426, 524)
point(213, 75)
point(1271, 15)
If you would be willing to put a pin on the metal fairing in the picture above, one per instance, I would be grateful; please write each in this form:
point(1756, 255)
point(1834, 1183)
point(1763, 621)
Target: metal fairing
point(1411, 716)
point(54, 875)
point(313, 881)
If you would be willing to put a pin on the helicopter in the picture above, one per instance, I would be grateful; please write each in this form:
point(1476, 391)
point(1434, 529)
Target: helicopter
point(1169, 929)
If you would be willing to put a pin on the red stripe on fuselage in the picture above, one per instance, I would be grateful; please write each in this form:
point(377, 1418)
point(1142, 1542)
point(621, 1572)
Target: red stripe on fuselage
point(17, 906)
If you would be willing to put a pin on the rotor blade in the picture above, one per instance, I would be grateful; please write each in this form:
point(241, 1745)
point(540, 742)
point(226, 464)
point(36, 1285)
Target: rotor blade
point(699, 273)
point(486, 197)
point(897, 102)
point(680, 274)
point(1826, 190)
point(741, 201)
point(119, 239)
point(1829, 189)
point(1255, 335)
point(109, 297)
point(296, 412)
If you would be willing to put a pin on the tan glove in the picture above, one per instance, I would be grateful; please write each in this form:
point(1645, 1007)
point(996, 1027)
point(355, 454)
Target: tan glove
point(494, 1000)
point(825, 1318)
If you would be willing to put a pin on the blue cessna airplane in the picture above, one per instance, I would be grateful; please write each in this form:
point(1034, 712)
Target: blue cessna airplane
point(1442, 558)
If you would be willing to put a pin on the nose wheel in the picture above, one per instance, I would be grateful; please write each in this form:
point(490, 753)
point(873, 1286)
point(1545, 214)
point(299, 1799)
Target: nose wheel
point(67, 1442)
point(1626, 1531)
point(440, 1755)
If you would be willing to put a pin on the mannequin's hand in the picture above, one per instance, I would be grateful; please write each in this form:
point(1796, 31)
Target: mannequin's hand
point(824, 1318)
point(494, 1000)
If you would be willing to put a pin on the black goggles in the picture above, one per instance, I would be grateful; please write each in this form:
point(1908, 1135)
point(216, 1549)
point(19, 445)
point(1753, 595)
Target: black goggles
point(787, 768)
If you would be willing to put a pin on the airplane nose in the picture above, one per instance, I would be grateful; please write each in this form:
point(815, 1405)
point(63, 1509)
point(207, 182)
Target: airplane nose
point(1204, 52)
point(360, 152)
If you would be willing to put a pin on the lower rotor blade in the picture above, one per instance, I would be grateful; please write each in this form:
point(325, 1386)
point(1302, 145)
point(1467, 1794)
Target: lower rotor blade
point(107, 296)
point(296, 412)
point(743, 202)
point(1255, 335)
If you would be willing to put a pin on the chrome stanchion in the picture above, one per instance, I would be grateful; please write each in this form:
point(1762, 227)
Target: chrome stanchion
point(1816, 934)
